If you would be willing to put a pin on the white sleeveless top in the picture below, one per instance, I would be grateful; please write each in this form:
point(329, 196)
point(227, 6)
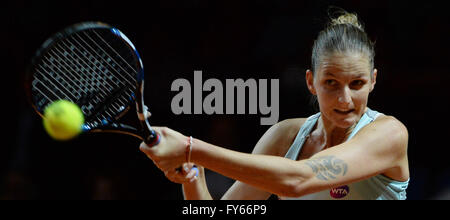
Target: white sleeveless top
point(378, 187)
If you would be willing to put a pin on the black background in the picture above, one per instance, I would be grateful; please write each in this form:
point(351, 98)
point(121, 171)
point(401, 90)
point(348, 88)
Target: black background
point(226, 40)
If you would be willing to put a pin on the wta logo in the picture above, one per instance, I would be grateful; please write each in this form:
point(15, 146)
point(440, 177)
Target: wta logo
point(340, 192)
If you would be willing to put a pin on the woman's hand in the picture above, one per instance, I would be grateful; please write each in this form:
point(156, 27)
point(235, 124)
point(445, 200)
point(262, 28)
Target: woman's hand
point(171, 152)
point(187, 174)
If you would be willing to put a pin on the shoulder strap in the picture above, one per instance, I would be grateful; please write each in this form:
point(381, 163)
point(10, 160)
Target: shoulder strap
point(368, 117)
point(306, 128)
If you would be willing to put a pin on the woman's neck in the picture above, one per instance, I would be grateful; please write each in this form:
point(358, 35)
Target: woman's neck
point(330, 134)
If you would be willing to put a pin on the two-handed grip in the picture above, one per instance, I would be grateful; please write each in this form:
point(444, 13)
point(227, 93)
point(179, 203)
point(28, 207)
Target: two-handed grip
point(154, 138)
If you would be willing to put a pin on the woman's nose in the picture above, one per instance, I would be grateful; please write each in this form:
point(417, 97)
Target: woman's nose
point(345, 96)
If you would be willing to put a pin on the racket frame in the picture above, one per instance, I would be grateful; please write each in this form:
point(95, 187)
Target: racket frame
point(145, 132)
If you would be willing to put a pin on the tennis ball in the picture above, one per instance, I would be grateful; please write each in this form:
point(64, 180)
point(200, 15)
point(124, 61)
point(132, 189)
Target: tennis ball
point(63, 120)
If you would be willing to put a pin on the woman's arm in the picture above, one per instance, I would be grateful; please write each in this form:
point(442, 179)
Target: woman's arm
point(375, 149)
point(275, 141)
point(269, 173)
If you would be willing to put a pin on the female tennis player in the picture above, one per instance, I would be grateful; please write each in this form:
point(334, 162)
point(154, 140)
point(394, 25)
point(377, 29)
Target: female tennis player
point(345, 151)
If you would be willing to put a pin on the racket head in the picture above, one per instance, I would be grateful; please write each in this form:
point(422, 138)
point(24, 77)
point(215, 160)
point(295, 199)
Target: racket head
point(94, 66)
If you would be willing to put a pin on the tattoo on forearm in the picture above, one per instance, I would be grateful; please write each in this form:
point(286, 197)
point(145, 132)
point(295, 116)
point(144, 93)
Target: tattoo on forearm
point(327, 167)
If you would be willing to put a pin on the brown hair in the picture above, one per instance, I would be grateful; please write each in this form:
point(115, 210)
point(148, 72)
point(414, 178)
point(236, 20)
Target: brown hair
point(344, 33)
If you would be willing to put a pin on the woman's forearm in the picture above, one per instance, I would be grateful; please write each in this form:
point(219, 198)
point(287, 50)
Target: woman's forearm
point(277, 175)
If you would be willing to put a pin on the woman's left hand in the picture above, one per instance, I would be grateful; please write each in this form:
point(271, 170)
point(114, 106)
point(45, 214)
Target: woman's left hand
point(187, 174)
point(171, 152)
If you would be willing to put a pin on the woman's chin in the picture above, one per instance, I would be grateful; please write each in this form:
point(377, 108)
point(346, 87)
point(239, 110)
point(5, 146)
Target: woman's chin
point(341, 120)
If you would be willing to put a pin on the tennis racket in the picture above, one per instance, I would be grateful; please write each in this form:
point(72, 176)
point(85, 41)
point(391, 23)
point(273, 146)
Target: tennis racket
point(97, 67)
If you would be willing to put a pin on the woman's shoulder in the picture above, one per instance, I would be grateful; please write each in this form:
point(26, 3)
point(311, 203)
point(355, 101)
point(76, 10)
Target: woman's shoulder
point(392, 122)
point(291, 123)
point(288, 128)
point(278, 138)
point(389, 130)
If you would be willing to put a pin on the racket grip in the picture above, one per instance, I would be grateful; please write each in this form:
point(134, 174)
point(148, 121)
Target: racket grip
point(153, 139)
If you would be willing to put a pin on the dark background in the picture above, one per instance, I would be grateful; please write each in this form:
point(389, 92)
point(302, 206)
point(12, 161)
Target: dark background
point(226, 40)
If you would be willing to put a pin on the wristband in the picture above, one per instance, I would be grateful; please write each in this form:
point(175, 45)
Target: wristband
point(190, 150)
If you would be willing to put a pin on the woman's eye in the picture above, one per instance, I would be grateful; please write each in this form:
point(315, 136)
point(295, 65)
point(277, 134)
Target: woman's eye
point(330, 82)
point(357, 83)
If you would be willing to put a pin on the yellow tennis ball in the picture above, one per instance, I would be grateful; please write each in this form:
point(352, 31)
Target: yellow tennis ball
point(63, 120)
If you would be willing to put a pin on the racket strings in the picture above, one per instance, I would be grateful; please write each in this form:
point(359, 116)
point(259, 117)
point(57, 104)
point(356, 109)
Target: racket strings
point(90, 74)
point(63, 79)
point(99, 76)
point(58, 61)
point(112, 49)
point(40, 85)
point(114, 63)
point(75, 67)
point(48, 62)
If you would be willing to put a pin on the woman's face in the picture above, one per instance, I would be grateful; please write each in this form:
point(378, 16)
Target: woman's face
point(342, 84)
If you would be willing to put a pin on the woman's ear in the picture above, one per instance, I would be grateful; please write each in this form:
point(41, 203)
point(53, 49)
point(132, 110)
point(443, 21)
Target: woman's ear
point(310, 81)
point(374, 79)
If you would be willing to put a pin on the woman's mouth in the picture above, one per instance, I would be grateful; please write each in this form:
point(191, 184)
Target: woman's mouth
point(344, 112)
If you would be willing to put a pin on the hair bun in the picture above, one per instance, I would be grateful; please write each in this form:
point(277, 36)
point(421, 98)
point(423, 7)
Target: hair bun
point(340, 16)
